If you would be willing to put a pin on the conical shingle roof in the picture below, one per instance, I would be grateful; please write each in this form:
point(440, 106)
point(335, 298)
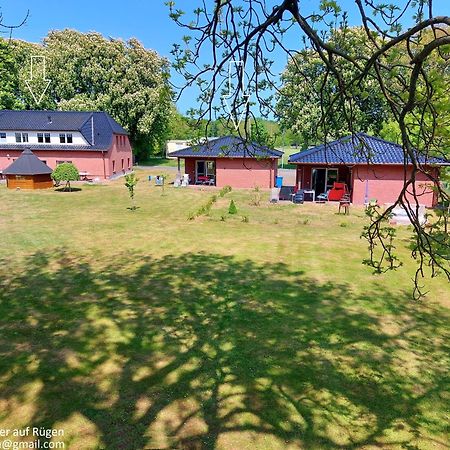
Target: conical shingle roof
point(27, 164)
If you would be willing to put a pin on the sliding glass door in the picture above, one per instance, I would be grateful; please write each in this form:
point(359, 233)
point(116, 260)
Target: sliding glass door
point(322, 179)
point(205, 168)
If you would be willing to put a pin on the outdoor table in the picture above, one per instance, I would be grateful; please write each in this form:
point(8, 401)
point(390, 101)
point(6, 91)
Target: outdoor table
point(311, 192)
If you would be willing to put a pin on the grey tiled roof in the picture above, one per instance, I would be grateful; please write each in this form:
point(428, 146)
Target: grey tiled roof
point(358, 149)
point(228, 147)
point(43, 121)
point(27, 164)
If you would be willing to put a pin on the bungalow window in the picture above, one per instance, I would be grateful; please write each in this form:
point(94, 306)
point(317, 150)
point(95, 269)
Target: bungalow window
point(69, 138)
point(62, 162)
point(122, 164)
point(40, 137)
point(128, 162)
point(47, 138)
point(114, 166)
point(62, 138)
point(2, 135)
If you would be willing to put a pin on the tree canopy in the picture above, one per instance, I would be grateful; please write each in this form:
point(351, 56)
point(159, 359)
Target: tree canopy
point(356, 79)
point(65, 172)
point(90, 72)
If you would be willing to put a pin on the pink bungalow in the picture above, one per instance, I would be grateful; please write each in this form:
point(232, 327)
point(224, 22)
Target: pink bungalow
point(230, 161)
point(93, 141)
point(368, 167)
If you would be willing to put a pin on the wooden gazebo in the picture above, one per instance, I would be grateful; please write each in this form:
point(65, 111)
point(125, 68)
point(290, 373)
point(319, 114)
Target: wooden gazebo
point(28, 172)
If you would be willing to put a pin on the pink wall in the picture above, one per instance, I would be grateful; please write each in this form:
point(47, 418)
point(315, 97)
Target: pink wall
point(119, 157)
point(246, 172)
point(239, 172)
point(384, 183)
point(96, 163)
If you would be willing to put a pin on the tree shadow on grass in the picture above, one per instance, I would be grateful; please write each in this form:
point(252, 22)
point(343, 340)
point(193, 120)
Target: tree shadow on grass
point(205, 351)
point(67, 190)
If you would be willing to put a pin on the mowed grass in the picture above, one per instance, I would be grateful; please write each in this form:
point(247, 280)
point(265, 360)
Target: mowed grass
point(133, 330)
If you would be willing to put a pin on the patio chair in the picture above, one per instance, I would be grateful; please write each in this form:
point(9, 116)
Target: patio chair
point(322, 198)
point(274, 195)
point(185, 180)
point(298, 197)
point(344, 203)
point(338, 191)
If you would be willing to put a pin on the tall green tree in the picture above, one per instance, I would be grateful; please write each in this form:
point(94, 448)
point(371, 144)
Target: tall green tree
point(90, 72)
point(9, 78)
point(308, 94)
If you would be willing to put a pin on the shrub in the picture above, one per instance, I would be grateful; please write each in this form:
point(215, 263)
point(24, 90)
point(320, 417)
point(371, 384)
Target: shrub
point(224, 191)
point(131, 180)
point(232, 208)
point(65, 172)
point(256, 196)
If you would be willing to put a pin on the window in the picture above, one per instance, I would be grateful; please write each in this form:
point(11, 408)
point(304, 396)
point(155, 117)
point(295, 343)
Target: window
point(128, 162)
point(114, 166)
point(40, 137)
point(2, 135)
point(47, 138)
point(62, 162)
point(21, 137)
point(69, 138)
point(62, 138)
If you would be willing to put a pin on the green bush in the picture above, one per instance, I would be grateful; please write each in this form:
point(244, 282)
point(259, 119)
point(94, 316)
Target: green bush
point(224, 191)
point(232, 208)
point(65, 172)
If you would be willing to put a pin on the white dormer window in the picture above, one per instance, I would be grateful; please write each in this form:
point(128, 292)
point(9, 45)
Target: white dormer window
point(47, 138)
point(2, 135)
point(21, 137)
point(65, 138)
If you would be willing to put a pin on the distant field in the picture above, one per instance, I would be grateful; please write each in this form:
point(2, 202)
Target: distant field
point(262, 330)
point(288, 151)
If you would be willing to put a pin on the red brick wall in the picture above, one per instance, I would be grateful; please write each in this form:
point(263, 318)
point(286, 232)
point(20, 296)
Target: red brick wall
point(385, 183)
point(239, 172)
point(246, 172)
point(86, 161)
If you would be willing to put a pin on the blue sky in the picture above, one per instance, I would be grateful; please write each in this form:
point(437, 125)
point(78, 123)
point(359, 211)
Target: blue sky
point(146, 20)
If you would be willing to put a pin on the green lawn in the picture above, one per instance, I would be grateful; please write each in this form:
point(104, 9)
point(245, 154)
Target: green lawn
point(133, 330)
point(163, 162)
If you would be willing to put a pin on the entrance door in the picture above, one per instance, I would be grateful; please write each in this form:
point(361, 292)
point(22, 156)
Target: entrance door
point(200, 169)
point(318, 180)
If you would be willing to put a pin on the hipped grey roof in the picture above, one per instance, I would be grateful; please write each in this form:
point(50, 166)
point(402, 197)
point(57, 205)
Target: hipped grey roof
point(359, 149)
point(96, 127)
point(228, 147)
point(27, 164)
